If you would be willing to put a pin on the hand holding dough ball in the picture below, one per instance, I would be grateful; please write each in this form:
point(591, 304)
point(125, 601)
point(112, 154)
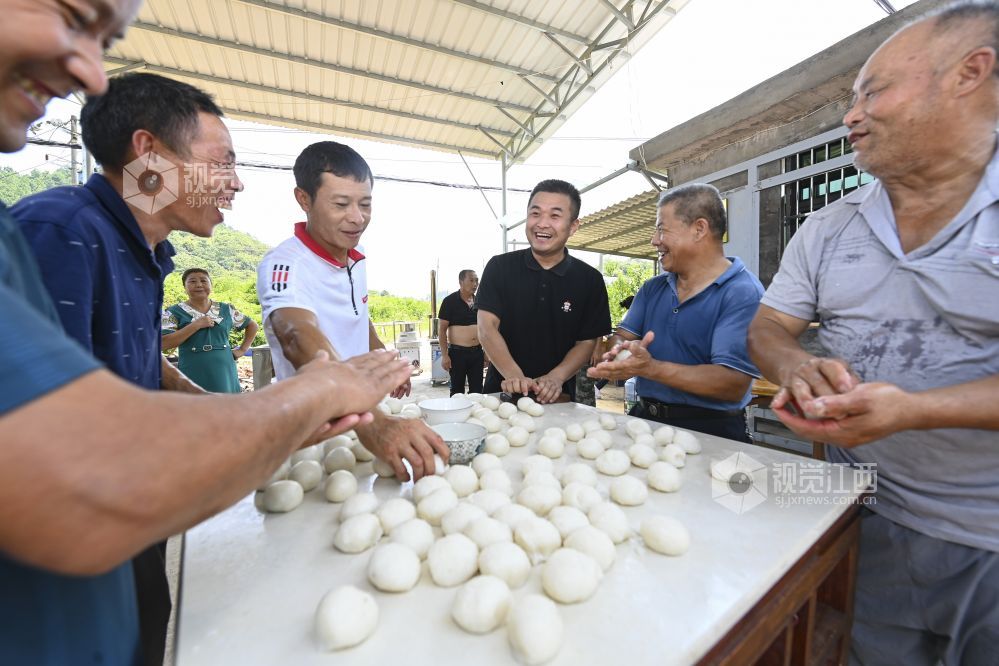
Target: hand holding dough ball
point(488, 499)
point(674, 455)
point(345, 617)
point(608, 422)
point(687, 441)
point(394, 568)
point(664, 477)
point(439, 502)
point(357, 534)
point(570, 576)
point(339, 458)
point(484, 462)
point(636, 427)
point(481, 605)
point(507, 561)
point(506, 410)
point(427, 486)
point(497, 444)
point(535, 629)
point(581, 496)
point(395, 512)
point(340, 485)
point(460, 517)
point(642, 455)
point(628, 491)
point(357, 504)
point(594, 543)
point(538, 537)
point(665, 535)
point(574, 432)
point(579, 473)
point(498, 480)
point(664, 435)
point(463, 479)
point(453, 560)
point(589, 448)
point(536, 463)
point(553, 447)
point(283, 496)
point(415, 534)
point(613, 463)
point(609, 519)
point(539, 498)
point(308, 474)
point(567, 519)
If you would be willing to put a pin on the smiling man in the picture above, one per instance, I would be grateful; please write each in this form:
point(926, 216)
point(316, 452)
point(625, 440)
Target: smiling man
point(686, 328)
point(540, 310)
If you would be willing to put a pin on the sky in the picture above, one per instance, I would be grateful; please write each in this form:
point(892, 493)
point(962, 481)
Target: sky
point(711, 51)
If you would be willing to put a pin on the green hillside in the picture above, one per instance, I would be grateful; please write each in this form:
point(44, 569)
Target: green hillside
point(227, 251)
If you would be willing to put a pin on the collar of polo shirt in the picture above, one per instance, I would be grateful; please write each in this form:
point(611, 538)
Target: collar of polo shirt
point(560, 269)
point(302, 234)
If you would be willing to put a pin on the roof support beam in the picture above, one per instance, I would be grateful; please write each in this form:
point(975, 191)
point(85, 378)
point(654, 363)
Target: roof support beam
point(389, 36)
point(493, 139)
point(287, 57)
point(515, 121)
point(551, 100)
point(582, 63)
point(125, 68)
point(517, 18)
point(621, 16)
point(479, 187)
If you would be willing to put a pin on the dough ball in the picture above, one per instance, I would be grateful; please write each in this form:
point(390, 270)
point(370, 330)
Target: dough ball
point(314, 452)
point(393, 568)
point(428, 485)
point(507, 561)
point(506, 410)
point(439, 466)
point(463, 479)
point(603, 437)
point(674, 455)
point(536, 410)
point(538, 537)
point(664, 477)
point(395, 404)
point(523, 421)
point(345, 617)
point(487, 531)
point(646, 439)
point(410, 411)
point(610, 519)
point(493, 423)
point(570, 576)
point(524, 403)
point(283, 496)
point(497, 444)
point(664, 435)
point(361, 454)
point(594, 543)
point(687, 441)
point(579, 473)
point(628, 491)
point(308, 474)
point(535, 629)
point(552, 447)
point(539, 498)
point(395, 512)
point(384, 409)
point(476, 421)
point(475, 397)
point(574, 432)
point(280, 474)
point(567, 519)
point(608, 422)
point(613, 463)
point(357, 534)
point(484, 462)
point(581, 496)
point(415, 534)
point(636, 427)
point(623, 355)
point(642, 455)
point(433, 507)
point(536, 463)
point(358, 504)
point(555, 432)
point(543, 478)
point(665, 535)
point(491, 402)
point(592, 425)
point(589, 448)
point(481, 605)
point(497, 479)
point(337, 442)
point(517, 436)
point(453, 560)
point(340, 485)
point(339, 458)
point(481, 412)
point(383, 469)
point(488, 499)
point(351, 434)
point(512, 514)
point(458, 518)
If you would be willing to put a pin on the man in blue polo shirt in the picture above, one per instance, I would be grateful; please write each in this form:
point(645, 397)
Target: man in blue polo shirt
point(686, 329)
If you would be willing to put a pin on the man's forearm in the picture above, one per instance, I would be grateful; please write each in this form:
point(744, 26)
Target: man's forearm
point(442, 327)
point(774, 350)
point(968, 405)
point(707, 380)
point(175, 380)
point(499, 354)
point(374, 342)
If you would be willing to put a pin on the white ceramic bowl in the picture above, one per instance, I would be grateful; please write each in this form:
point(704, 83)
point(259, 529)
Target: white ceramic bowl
point(465, 440)
point(446, 410)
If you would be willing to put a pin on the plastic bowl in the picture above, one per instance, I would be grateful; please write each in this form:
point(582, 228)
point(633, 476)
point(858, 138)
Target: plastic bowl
point(465, 440)
point(446, 410)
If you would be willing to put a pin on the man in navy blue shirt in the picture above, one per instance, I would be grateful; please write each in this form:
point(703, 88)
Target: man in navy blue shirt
point(686, 329)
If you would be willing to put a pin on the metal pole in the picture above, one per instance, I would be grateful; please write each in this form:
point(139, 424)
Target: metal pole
point(74, 157)
point(503, 189)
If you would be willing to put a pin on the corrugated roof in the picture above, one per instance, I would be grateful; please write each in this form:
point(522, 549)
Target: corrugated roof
point(623, 229)
point(480, 77)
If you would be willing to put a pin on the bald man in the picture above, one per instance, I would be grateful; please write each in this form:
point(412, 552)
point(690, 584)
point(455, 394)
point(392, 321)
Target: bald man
point(904, 276)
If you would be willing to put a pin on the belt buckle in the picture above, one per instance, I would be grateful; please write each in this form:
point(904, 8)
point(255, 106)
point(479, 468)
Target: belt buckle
point(206, 347)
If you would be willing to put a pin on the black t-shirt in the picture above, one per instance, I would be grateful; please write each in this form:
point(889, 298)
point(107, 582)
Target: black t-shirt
point(456, 312)
point(542, 313)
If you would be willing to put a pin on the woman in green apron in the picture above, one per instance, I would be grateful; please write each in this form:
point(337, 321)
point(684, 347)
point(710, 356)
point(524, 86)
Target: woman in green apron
point(199, 327)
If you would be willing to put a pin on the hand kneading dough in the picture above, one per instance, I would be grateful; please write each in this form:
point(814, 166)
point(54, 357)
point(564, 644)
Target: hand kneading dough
point(383, 469)
point(674, 455)
point(628, 491)
point(497, 444)
point(574, 432)
point(579, 473)
point(613, 463)
point(358, 504)
point(487, 531)
point(491, 402)
point(538, 537)
point(415, 534)
point(489, 500)
point(636, 427)
point(433, 508)
point(542, 478)
point(512, 514)
point(567, 519)
point(608, 422)
point(307, 473)
point(506, 410)
point(609, 519)
point(581, 496)
point(460, 517)
point(357, 534)
point(642, 455)
point(463, 479)
point(394, 568)
point(453, 560)
point(687, 441)
point(506, 561)
point(664, 435)
point(481, 604)
point(283, 496)
point(539, 498)
point(339, 458)
point(341, 485)
point(570, 576)
point(395, 512)
point(664, 477)
point(496, 479)
point(594, 543)
point(427, 486)
point(553, 447)
point(345, 617)
point(535, 629)
point(589, 448)
point(536, 463)
point(665, 535)
point(484, 462)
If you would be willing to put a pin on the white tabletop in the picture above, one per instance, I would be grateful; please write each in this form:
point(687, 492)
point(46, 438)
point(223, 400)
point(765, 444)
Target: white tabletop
point(251, 582)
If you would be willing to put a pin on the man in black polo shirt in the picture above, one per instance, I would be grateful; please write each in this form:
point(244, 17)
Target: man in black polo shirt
point(540, 310)
point(461, 353)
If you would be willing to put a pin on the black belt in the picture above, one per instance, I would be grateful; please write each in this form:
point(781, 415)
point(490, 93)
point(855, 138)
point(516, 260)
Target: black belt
point(207, 348)
point(662, 410)
point(475, 348)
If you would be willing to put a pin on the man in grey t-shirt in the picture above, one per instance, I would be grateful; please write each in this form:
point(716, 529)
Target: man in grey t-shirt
point(904, 277)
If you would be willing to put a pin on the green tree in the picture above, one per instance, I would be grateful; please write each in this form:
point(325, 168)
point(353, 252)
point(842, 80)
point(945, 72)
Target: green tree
point(623, 279)
point(15, 186)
